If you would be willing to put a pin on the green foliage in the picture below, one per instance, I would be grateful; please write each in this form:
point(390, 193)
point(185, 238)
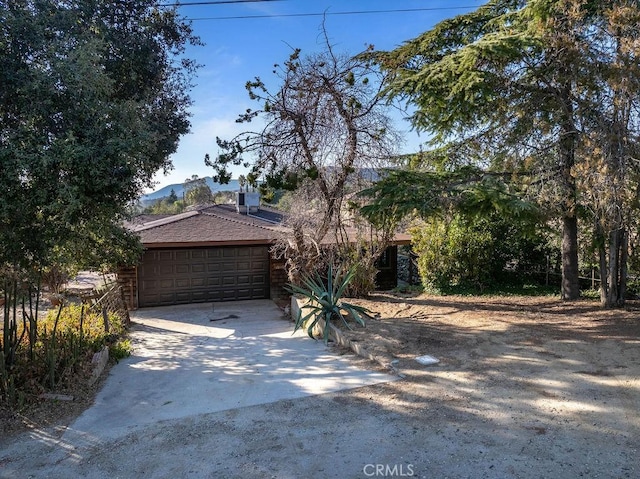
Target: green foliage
point(476, 252)
point(165, 206)
point(82, 322)
point(197, 191)
point(429, 193)
point(69, 335)
point(93, 101)
point(506, 288)
point(325, 301)
point(66, 339)
point(121, 349)
point(546, 90)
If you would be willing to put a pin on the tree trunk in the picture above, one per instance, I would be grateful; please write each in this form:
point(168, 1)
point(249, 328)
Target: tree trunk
point(570, 270)
point(616, 273)
point(604, 284)
point(624, 256)
point(570, 280)
point(612, 272)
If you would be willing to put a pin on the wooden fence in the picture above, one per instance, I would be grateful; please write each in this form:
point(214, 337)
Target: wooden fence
point(110, 300)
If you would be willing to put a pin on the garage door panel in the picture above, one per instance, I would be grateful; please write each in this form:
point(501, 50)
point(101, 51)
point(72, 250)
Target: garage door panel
point(183, 297)
point(243, 266)
point(229, 253)
point(214, 295)
point(181, 255)
point(181, 276)
point(214, 253)
point(147, 285)
point(198, 254)
point(229, 267)
point(212, 267)
point(244, 294)
point(233, 295)
point(166, 269)
point(165, 298)
point(229, 281)
point(198, 268)
point(182, 269)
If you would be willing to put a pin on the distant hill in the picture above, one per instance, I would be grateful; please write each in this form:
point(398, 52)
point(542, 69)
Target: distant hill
point(370, 174)
point(233, 185)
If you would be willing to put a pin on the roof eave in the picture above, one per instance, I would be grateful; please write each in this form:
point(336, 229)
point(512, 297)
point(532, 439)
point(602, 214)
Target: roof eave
point(200, 244)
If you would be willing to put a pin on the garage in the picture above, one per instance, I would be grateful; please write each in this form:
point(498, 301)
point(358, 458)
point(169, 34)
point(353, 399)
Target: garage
point(213, 253)
point(195, 275)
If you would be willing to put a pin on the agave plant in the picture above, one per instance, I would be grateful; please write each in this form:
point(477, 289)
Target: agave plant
point(325, 300)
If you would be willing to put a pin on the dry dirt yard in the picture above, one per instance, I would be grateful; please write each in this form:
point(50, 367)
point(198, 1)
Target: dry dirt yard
point(528, 382)
point(526, 387)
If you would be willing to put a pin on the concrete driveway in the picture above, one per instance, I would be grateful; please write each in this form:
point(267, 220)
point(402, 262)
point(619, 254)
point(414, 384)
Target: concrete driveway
point(202, 358)
point(189, 362)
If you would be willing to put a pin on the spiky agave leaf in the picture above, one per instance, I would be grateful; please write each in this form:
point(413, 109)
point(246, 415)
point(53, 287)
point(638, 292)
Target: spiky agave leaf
point(357, 312)
point(325, 300)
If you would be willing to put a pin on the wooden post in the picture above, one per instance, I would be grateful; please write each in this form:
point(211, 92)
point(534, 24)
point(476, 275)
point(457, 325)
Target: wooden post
point(105, 318)
point(547, 275)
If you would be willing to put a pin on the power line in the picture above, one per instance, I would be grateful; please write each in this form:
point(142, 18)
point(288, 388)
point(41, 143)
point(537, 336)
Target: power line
point(355, 12)
point(213, 2)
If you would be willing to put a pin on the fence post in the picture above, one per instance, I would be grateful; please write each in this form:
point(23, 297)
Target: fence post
point(547, 275)
point(105, 318)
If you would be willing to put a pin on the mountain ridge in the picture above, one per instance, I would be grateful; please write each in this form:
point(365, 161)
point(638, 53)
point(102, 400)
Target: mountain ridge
point(179, 190)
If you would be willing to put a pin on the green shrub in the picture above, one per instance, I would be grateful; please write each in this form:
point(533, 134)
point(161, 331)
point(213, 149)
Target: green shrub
point(66, 339)
point(477, 252)
point(120, 349)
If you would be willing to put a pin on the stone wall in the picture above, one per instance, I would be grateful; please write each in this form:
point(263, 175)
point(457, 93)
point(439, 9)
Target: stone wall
point(408, 269)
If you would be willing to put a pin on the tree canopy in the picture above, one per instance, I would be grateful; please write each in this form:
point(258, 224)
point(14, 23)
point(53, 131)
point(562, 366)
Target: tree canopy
point(93, 100)
point(543, 89)
point(197, 191)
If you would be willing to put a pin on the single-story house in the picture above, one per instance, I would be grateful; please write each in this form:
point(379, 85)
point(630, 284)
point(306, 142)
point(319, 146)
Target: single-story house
point(216, 253)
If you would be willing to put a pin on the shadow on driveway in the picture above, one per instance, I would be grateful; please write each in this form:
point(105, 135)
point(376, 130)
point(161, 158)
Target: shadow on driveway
point(197, 359)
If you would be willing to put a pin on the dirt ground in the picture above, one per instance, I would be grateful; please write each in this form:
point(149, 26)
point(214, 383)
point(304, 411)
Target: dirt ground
point(531, 365)
point(525, 387)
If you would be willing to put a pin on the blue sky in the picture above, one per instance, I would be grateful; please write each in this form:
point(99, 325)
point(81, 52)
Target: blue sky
point(239, 49)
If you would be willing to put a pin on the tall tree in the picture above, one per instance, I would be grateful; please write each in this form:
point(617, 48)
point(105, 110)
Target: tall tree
point(324, 121)
point(608, 176)
point(197, 191)
point(498, 87)
point(93, 100)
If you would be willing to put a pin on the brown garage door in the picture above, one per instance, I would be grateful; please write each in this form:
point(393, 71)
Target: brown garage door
point(194, 275)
